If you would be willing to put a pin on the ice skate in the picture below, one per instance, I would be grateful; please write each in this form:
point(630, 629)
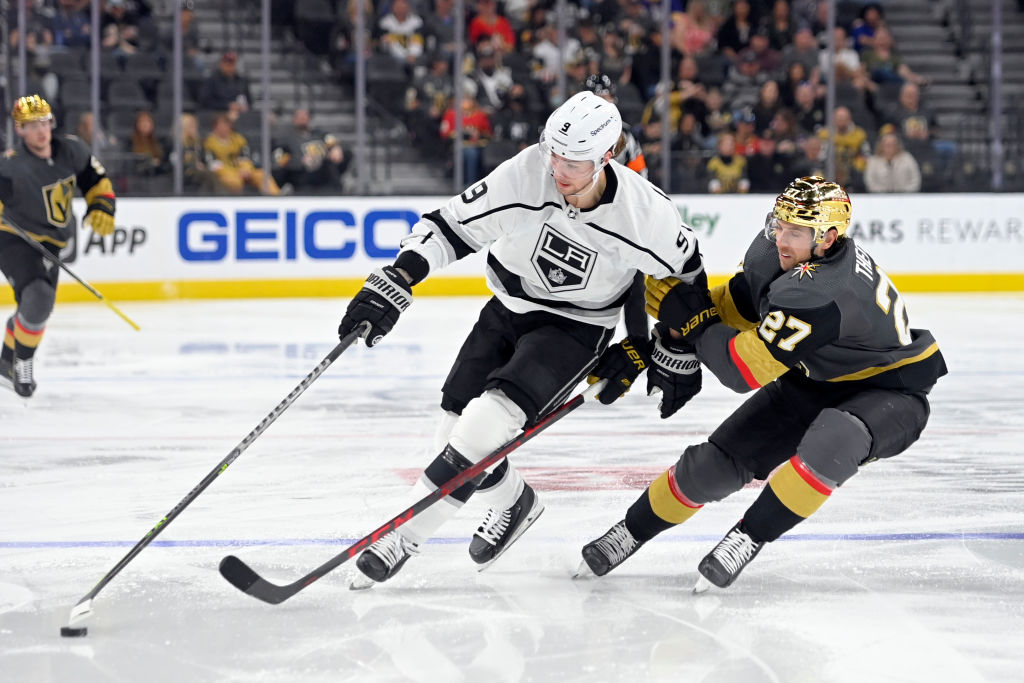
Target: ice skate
point(501, 528)
point(382, 560)
point(604, 554)
point(725, 562)
point(18, 378)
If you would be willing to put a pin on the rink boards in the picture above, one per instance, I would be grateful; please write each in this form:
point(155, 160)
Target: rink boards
point(169, 248)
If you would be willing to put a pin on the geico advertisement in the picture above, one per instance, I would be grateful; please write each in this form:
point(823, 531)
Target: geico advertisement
point(254, 238)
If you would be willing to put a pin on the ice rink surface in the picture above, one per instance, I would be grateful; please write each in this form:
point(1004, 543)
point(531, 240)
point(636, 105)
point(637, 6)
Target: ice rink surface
point(913, 571)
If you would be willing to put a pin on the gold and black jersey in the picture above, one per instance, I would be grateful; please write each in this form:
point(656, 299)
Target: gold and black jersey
point(226, 150)
point(834, 319)
point(36, 193)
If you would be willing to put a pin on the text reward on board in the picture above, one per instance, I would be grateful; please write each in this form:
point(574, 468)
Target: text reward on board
point(268, 235)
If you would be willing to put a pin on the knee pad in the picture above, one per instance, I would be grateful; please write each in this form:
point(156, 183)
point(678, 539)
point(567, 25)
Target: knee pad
point(835, 445)
point(488, 422)
point(36, 304)
point(705, 473)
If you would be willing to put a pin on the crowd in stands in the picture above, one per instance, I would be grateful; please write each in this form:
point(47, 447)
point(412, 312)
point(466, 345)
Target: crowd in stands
point(746, 107)
point(135, 136)
point(745, 111)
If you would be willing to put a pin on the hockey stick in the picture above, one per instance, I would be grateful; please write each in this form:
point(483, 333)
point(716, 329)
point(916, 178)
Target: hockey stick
point(245, 579)
point(84, 606)
point(56, 260)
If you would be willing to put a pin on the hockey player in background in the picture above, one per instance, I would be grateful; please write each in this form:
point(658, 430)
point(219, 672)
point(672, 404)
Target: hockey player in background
point(565, 229)
point(628, 151)
point(37, 182)
point(821, 333)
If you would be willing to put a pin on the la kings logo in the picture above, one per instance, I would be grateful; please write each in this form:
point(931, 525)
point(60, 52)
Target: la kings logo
point(562, 264)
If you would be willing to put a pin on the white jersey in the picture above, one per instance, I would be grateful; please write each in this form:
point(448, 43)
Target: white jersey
point(545, 254)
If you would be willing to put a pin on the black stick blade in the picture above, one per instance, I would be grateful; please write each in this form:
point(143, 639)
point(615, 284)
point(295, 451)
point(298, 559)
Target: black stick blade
point(242, 577)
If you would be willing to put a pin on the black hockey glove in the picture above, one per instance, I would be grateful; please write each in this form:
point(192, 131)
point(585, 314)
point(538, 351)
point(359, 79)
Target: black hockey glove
point(620, 364)
point(675, 371)
point(686, 308)
point(384, 296)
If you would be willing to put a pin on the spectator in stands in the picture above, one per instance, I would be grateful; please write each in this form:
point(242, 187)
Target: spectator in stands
point(794, 76)
point(400, 34)
point(694, 29)
point(342, 43)
point(891, 168)
point(727, 171)
point(734, 34)
point(768, 59)
point(87, 129)
point(549, 58)
point(780, 26)
point(688, 139)
point(743, 84)
point(863, 30)
point(307, 160)
point(119, 27)
point(71, 26)
point(150, 152)
point(884, 65)
point(493, 81)
point(191, 44)
point(804, 49)
point(785, 131)
point(851, 148)
point(426, 101)
point(476, 133)
point(439, 28)
point(227, 155)
point(488, 24)
point(917, 125)
point(517, 121)
point(745, 139)
point(38, 43)
point(847, 61)
point(768, 104)
point(590, 43)
point(768, 170)
point(718, 119)
point(614, 62)
point(196, 174)
point(810, 109)
point(225, 88)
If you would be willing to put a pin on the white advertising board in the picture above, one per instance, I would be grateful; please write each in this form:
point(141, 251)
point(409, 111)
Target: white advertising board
point(244, 239)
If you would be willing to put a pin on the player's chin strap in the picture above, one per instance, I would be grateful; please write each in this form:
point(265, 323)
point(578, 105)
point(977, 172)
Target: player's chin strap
point(593, 181)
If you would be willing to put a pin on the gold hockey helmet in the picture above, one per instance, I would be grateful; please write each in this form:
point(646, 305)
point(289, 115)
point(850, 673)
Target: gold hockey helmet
point(814, 202)
point(31, 108)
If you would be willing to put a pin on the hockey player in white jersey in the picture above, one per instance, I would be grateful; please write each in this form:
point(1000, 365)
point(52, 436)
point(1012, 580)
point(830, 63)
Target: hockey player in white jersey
point(565, 229)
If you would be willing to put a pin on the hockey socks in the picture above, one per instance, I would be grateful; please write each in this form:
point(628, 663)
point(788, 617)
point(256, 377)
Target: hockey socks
point(793, 494)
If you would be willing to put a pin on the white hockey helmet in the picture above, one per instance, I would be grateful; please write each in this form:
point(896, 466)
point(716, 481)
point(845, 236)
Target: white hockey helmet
point(582, 129)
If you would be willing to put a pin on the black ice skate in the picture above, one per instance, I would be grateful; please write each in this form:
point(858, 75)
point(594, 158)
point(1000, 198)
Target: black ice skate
point(606, 553)
point(383, 559)
point(501, 528)
point(18, 378)
point(725, 562)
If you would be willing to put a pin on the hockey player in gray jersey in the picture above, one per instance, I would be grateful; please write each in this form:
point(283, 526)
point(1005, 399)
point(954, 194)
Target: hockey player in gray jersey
point(819, 330)
point(565, 229)
point(37, 183)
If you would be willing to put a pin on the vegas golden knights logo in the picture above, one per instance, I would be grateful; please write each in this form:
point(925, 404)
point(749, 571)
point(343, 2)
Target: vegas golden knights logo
point(57, 198)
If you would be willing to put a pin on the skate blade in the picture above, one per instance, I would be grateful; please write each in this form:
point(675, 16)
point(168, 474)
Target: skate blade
point(522, 530)
point(584, 571)
point(702, 585)
point(361, 582)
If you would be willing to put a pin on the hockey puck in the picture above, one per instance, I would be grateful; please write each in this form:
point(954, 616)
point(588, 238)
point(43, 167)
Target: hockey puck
point(70, 632)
